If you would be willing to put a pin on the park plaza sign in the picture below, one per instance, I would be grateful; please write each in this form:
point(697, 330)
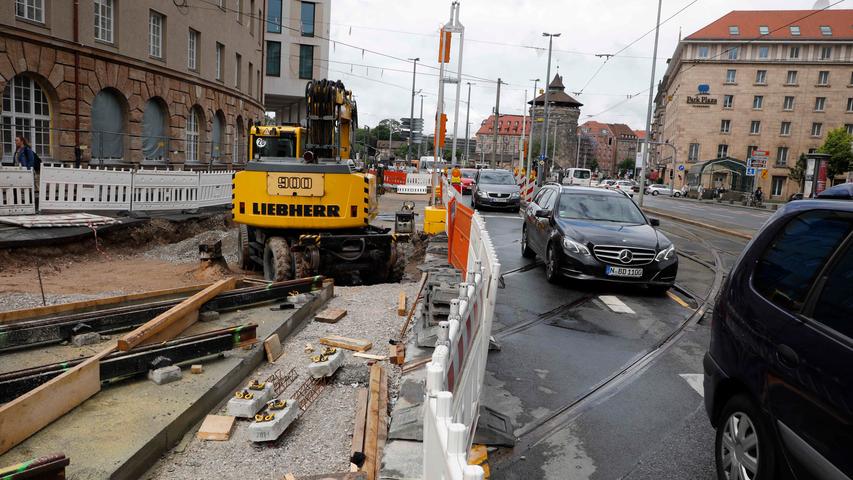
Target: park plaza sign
point(701, 99)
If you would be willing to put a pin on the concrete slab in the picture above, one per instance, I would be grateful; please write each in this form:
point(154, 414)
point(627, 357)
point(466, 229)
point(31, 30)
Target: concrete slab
point(328, 367)
point(242, 407)
point(162, 376)
point(269, 430)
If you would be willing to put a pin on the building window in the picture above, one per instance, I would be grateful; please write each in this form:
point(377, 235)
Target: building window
point(817, 129)
point(763, 53)
point(219, 49)
point(251, 23)
point(192, 135)
point(792, 78)
point(725, 126)
point(731, 76)
point(788, 104)
point(192, 50)
point(108, 123)
point(750, 150)
point(782, 156)
point(728, 101)
point(819, 104)
point(273, 59)
point(155, 35)
point(104, 20)
point(703, 51)
point(812, 150)
point(722, 150)
point(850, 104)
point(239, 11)
point(154, 125)
point(734, 30)
point(217, 131)
point(764, 30)
point(238, 69)
point(825, 30)
point(761, 77)
point(757, 102)
point(25, 112)
point(755, 127)
point(693, 153)
point(733, 53)
point(823, 77)
point(274, 16)
point(786, 129)
point(849, 127)
point(795, 30)
point(222, 4)
point(826, 53)
point(306, 62)
point(851, 78)
point(308, 10)
point(30, 10)
point(776, 186)
point(794, 52)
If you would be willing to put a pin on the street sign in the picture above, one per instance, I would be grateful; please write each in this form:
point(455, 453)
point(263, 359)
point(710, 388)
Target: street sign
point(681, 168)
point(750, 172)
point(757, 162)
point(764, 174)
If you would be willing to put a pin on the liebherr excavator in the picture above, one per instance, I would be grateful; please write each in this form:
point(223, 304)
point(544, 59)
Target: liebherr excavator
point(301, 206)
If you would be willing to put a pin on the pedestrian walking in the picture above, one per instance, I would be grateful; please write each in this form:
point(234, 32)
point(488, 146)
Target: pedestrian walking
point(24, 155)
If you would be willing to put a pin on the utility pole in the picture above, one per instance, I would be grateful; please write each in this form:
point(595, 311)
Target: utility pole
point(521, 138)
point(578, 152)
point(649, 112)
point(422, 122)
point(467, 124)
point(544, 147)
point(412, 111)
point(532, 123)
point(497, 115)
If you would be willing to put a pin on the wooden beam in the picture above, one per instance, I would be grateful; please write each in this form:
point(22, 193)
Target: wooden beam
point(165, 320)
point(360, 420)
point(382, 423)
point(330, 315)
point(174, 329)
point(36, 312)
point(402, 303)
point(370, 356)
point(371, 429)
point(415, 364)
point(355, 344)
point(405, 327)
point(34, 410)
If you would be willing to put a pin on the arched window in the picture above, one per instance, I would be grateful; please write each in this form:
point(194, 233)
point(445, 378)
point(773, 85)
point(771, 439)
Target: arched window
point(25, 112)
point(239, 141)
point(193, 139)
point(154, 122)
point(218, 132)
point(108, 126)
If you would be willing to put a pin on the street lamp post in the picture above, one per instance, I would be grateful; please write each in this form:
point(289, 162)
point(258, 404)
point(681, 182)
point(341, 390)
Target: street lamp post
point(649, 111)
point(532, 119)
point(467, 124)
point(544, 148)
point(412, 110)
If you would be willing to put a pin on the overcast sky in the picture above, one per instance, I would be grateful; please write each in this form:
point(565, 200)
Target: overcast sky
point(503, 39)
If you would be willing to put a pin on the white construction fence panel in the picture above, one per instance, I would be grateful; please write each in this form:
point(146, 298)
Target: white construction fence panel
point(164, 190)
point(412, 189)
point(17, 191)
point(69, 188)
point(419, 179)
point(214, 188)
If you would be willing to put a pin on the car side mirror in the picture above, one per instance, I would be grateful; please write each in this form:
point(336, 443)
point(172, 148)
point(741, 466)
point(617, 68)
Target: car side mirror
point(654, 222)
point(543, 213)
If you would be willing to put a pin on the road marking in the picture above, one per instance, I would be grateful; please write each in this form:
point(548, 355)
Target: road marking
point(677, 299)
point(615, 304)
point(695, 381)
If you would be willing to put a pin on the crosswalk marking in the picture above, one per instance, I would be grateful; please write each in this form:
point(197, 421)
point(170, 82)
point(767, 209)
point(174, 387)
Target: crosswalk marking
point(613, 303)
point(695, 381)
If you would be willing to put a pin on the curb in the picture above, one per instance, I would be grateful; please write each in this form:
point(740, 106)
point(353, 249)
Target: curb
point(734, 233)
point(769, 205)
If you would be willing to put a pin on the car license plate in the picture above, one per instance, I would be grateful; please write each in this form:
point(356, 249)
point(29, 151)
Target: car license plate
point(623, 271)
point(295, 184)
point(498, 200)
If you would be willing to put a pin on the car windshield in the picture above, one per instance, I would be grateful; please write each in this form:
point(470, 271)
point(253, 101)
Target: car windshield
point(581, 174)
point(600, 208)
point(468, 173)
point(496, 178)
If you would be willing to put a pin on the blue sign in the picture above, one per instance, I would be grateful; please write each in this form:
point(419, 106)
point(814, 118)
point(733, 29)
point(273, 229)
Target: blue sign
point(750, 172)
point(704, 89)
point(542, 157)
point(681, 168)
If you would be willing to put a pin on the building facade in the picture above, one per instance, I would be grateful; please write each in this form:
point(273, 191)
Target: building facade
point(610, 144)
point(774, 81)
point(513, 130)
point(296, 51)
point(130, 82)
point(563, 116)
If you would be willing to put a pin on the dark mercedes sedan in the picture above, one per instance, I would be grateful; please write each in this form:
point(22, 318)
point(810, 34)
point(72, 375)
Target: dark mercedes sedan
point(594, 234)
point(495, 189)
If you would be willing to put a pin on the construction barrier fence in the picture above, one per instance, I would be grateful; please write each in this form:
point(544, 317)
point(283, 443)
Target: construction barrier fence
point(17, 191)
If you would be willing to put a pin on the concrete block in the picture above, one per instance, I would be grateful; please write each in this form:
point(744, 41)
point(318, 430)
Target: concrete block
point(165, 375)
point(208, 316)
point(89, 338)
point(328, 367)
point(268, 430)
point(247, 408)
point(196, 369)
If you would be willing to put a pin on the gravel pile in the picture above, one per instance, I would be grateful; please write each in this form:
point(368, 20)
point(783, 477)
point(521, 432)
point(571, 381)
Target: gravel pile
point(17, 301)
point(186, 251)
point(319, 441)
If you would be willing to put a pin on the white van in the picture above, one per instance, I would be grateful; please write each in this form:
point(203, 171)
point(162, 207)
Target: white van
point(581, 177)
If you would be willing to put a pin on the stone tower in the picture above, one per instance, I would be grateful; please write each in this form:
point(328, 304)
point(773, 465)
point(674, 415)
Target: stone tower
point(563, 114)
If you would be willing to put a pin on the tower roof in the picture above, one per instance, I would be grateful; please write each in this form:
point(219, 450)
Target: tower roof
point(557, 95)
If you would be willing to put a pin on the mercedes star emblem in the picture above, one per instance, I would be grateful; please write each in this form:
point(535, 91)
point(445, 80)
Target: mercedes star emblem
point(625, 256)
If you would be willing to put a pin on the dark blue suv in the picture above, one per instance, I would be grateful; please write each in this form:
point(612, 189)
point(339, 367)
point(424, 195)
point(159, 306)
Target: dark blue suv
point(779, 373)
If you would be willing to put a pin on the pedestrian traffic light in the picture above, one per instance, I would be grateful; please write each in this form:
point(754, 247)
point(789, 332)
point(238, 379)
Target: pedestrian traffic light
point(670, 174)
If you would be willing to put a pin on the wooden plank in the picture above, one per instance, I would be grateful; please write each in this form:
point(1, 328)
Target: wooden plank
point(355, 344)
point(330, 315)
point(405, 327)
point(216, 427)
point(175, 314)
point(14, 315)
point(32, 411)
point(415, 364)
point(402, 304)
point(272, 347)
point(289, 476)
point(174, 329)
point(371, 429)
point(382, 429)
point(370, 356)
point(360, 420)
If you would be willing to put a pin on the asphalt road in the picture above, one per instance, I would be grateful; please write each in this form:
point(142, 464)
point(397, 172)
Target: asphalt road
point(562, 348)
point(720, 214)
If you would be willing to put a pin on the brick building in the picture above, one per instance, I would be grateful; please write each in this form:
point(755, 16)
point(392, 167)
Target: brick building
point(142, 82)
point(511, 130)
point(610, 145)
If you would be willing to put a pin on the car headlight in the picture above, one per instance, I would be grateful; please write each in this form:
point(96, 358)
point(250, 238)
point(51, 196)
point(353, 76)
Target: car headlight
point(482, 193)
point(515, 195)
point(575, 247)
point(665, 254)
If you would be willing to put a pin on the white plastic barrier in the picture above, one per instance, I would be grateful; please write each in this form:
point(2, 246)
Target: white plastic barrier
point(214, 188)
point(419, 179)
point(69, 188)
point(455, 374)
point(164, 190)
point(17, 191)
point(412, 189)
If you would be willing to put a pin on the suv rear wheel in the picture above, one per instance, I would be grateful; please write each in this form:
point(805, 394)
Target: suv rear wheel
point(744, 447)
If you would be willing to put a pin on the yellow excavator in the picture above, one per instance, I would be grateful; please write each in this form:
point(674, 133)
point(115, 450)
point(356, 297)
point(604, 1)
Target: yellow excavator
point(302, 207)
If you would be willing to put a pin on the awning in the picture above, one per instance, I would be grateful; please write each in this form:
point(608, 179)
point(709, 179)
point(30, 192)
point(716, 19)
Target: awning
point(734, 170)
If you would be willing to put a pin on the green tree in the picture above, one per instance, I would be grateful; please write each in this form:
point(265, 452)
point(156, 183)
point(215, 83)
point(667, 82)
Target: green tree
point(593, 165)
point(837, 146)
point(798, 172)
point(626, 165)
